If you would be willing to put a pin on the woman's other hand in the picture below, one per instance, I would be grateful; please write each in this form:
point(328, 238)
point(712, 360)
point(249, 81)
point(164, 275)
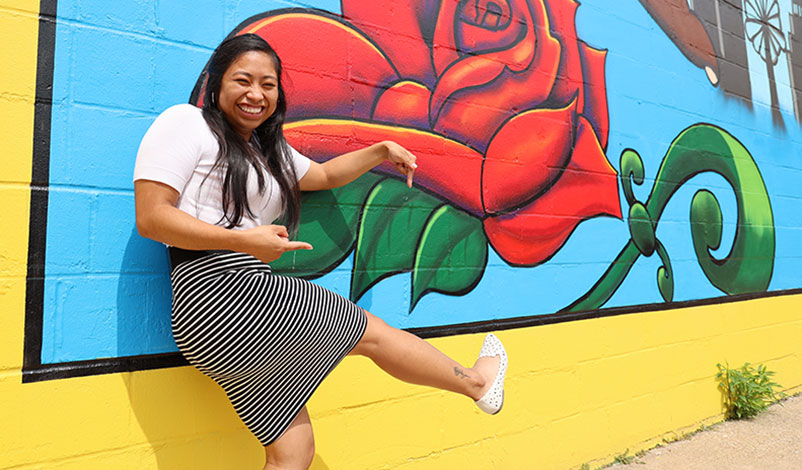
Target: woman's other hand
point(402, 158)
point(269, 242)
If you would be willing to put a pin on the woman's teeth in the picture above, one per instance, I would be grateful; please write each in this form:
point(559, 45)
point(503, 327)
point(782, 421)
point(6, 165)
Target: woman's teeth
point(250, 109)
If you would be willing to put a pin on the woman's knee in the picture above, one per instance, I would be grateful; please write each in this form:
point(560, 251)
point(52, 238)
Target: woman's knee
point(295, 449)
point(300, 457)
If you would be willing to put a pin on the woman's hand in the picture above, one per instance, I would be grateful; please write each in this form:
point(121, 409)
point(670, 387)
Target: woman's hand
point(269, 242)
point(403, 160)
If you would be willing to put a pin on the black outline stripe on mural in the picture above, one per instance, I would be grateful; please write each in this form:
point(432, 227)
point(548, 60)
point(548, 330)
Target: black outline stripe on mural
point(681, 162)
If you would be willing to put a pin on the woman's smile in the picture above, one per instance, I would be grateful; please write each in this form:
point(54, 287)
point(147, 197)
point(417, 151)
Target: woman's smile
point(254, 111)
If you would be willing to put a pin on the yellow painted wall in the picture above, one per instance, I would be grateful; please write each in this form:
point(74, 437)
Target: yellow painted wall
point(577, 392)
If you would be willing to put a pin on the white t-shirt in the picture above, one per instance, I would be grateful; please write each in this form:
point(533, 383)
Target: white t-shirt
point(179, 150)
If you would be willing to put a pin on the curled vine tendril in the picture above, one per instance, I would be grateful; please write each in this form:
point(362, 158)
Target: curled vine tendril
point(631, 172)
point(665, 275)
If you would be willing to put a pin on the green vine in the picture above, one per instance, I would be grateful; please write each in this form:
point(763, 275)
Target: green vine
point(700, 148)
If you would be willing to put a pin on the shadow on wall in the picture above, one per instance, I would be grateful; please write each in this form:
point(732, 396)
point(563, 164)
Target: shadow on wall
point(183, 415)
point(143, 299)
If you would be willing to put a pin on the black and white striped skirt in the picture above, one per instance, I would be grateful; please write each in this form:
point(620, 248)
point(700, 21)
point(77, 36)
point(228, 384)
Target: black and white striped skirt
point(268, 340)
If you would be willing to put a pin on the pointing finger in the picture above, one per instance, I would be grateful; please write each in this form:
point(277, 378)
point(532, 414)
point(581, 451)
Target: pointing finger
point(410, 173)
point(292, 246)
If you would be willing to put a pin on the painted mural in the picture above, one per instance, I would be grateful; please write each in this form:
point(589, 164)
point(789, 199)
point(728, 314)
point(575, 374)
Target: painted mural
point(557, 177)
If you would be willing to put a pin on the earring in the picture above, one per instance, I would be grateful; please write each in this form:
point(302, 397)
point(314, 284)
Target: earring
point(212, 97)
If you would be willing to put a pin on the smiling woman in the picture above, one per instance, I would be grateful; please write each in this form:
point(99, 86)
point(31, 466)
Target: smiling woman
point(250, 98)
point(210, 182)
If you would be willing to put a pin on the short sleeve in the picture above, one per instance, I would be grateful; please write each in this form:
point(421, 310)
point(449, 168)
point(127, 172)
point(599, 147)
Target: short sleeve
point(300, 162)
point(171, 148)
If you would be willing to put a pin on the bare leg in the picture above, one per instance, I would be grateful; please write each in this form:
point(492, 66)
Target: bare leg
point(409, 358)
point(295, 449)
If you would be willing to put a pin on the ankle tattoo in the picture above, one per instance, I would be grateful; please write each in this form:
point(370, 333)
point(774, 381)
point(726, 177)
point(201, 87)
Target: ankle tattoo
point(459, 373)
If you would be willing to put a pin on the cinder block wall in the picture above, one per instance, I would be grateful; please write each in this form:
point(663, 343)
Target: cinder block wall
point(89, 376)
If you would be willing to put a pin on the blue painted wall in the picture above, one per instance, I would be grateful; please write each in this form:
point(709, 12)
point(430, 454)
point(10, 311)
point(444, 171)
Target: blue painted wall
point(119, 64)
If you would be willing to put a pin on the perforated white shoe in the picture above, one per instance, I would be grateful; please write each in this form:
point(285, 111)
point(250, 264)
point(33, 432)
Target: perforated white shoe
point(493, 400)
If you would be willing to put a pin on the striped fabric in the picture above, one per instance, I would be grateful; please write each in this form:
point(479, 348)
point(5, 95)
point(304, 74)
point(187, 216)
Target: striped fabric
point(268, 340)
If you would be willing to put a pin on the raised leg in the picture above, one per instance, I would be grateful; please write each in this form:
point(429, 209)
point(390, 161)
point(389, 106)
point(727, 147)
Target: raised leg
point(411, 359)
point(295, 449)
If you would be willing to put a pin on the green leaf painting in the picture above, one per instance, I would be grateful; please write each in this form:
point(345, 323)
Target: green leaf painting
point(454, 239)
point(391, 229)
point(328, 223)
point(391, 222)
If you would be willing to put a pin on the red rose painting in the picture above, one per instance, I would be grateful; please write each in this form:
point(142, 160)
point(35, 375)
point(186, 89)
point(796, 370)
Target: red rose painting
point(503, 105)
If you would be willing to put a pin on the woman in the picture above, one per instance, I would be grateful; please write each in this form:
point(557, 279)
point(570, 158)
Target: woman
point(209, 183)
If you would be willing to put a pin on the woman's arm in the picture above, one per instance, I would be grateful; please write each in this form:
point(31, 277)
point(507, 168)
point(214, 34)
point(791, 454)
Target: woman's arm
point(341, 170)
point(158, 218)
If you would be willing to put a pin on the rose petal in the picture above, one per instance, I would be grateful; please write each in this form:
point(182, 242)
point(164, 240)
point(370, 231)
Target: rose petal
point(398, 29)
point(478, 93)
point(405, 103)
point(525, 156)
point(483, 25)
point(444, 45)
point(588, 187)
point(471, 72)
point(595, 110)
point(343, 78)
point(476, 70)
point(568, 86)
point(445, 167)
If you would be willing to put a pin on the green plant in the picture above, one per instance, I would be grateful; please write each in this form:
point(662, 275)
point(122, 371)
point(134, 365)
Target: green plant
point(624, 458)
point(747, 390)
point(585, 466)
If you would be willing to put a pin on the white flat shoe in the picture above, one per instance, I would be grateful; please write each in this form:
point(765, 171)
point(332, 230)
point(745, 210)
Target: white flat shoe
point(493, 400)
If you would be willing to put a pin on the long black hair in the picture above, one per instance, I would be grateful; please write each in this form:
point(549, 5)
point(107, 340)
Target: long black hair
point(237, 155)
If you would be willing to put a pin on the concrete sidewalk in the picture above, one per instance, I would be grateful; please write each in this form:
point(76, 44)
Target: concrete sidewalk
point(772, 441)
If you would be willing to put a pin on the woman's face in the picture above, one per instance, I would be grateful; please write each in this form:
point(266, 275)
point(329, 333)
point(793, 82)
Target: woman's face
point(249, 92)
